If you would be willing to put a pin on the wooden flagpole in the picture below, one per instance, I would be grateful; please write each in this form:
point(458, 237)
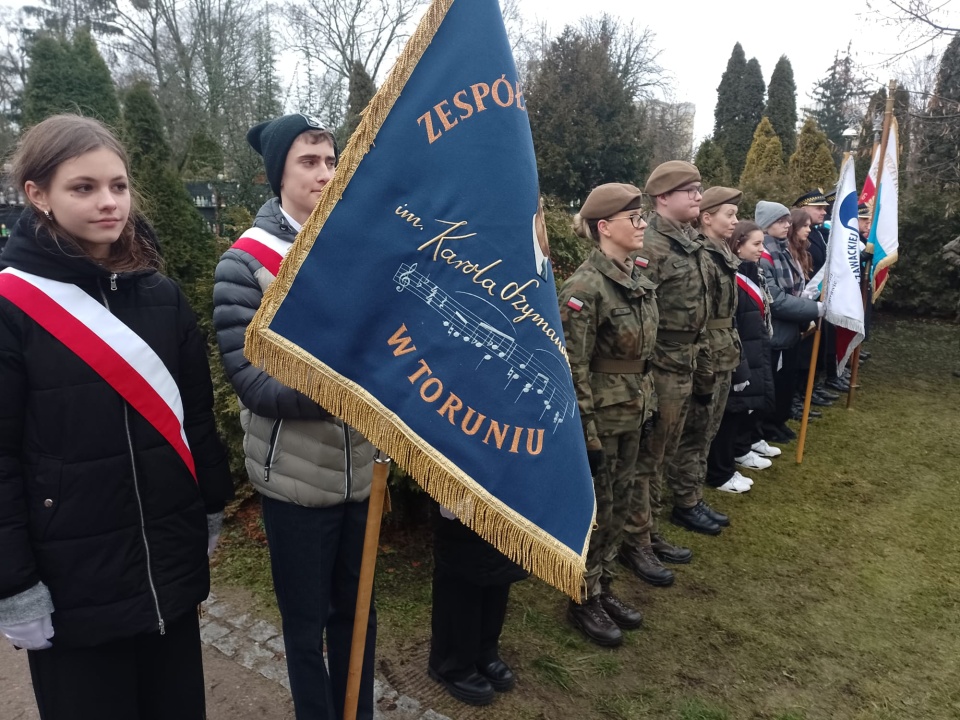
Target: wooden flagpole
point(865, 279)
point(368, 566)
point(808, 396)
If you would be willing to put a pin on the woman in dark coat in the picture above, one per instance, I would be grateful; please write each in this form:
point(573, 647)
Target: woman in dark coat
point(112, 477)
point(751, 390)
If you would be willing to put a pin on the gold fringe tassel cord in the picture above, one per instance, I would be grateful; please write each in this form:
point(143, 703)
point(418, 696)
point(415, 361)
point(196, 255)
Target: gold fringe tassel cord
point(521, 541)
point(518, 539)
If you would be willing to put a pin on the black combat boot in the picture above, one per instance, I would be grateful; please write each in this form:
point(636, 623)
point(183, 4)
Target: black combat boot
point(666, 552)
point(718, 517)
point(626, 617)
point(645, 565)
point(592, 620)
point(694, 519)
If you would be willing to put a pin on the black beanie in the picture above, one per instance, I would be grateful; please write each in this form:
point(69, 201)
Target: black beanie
point(273, 138)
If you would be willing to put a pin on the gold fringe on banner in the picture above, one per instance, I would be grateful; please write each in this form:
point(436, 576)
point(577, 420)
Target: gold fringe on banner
point(517, 538)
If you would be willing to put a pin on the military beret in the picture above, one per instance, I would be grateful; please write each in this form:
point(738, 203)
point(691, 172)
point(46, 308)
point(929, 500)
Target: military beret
point(606, 200)
point(814, 197)
point(863, 210)
point(671, 175)
point(714, 197)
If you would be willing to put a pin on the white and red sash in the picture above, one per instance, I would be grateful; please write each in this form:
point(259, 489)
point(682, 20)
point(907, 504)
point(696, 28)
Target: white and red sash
point(114, 351)
point(268, 250)
point(753, 290)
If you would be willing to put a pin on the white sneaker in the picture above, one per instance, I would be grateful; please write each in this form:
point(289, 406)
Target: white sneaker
point(742, 478)
point(761, 448)
point(753, 461)
point(734, 485)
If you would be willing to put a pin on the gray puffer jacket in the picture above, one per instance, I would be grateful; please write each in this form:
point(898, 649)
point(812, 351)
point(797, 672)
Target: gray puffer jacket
point(295, 450)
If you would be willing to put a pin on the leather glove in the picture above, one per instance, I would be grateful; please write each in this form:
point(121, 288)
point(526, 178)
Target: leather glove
point(739, 387)
point(704, 399)
point(649, 424)
point(214, 526)
point(821, 309)
point(595, 458)
point(30, 635)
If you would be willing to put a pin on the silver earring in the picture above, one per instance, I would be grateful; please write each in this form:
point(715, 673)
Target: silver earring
point(48, 215)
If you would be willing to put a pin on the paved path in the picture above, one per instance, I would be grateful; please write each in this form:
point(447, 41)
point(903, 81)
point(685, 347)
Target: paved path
point(244, 668)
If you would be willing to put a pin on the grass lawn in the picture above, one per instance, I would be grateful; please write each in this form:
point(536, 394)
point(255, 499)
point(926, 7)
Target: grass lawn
point(834, 595)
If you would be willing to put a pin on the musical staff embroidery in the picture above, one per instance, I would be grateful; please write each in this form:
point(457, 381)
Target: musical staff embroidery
point(544, 382)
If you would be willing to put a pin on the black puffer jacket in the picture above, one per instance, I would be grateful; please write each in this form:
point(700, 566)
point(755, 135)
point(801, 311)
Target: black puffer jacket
point(93, 501)
point(754, 328)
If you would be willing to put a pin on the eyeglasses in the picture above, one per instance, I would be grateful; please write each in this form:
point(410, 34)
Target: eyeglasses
point(636, 220)
point(691, 192)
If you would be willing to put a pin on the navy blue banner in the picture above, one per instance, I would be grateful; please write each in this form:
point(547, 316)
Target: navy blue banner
point(419, 303)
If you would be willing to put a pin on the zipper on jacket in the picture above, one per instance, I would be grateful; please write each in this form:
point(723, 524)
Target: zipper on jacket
point(136, 489)
point(113, 283)
point(348, 462)
point(272, 450)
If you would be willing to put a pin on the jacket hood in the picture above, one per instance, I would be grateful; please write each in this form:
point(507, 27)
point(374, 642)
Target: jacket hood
point(31, 248)
point(271, 219)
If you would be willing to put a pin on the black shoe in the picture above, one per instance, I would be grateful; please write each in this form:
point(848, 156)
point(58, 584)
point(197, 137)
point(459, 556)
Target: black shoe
point(784, 433)
point(592, 620)
point(626, 617)
point(820, 400)
point(498, 674)
point(666, 552)
point(474, 689)
point(645, 565)
point(838, 384)
point(814, 414)
point(718, 517)
point(695, 520)
point(864, 354)
point(827, 395)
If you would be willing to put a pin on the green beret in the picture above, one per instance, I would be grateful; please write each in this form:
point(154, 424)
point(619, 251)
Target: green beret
point(671, 175)
point(606, 200)
point(714, 197)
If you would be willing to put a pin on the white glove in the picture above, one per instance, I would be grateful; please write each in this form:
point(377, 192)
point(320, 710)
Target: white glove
point(821, 309)
point(30, 635)
point(214, 526)
point(811, 292)
point(739, 387)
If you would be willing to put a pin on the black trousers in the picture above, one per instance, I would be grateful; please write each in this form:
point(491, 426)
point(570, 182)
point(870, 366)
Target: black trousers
point(315, 558)
point(784, 383)
point(721, 460)
point(146, 677)
point(471, 587)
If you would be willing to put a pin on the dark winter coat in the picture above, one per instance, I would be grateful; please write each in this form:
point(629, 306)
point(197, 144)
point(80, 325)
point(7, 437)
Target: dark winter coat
point(754, 330)
point(818, 247)
point(93, 500)
point(791, 313)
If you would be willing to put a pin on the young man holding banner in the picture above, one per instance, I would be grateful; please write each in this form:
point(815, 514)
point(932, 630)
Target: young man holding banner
point(312, 470)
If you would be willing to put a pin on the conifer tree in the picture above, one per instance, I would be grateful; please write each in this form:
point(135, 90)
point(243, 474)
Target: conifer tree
point(362, 90)
point(67, 76)
point(812, 165)
point(189, 248)
point(712, 164)
point(586, 127)
point(739, 108)
point(938, 158)
point(763, 176)
point(838, 100)
point(782, 105)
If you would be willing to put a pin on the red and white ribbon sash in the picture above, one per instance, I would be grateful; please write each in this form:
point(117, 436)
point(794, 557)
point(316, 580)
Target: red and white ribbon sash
point(114, 351)
point(268, 250)
point(751, 289)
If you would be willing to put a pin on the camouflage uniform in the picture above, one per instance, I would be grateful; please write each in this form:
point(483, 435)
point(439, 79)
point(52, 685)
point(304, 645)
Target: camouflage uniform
point(678, 266)
point(689, 469)
point(609, 319)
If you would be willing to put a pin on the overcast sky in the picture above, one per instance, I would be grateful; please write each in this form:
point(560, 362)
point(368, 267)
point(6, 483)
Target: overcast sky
point(697, 37)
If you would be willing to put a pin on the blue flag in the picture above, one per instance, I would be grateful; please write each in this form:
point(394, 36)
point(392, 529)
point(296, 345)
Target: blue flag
point(419, 304)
